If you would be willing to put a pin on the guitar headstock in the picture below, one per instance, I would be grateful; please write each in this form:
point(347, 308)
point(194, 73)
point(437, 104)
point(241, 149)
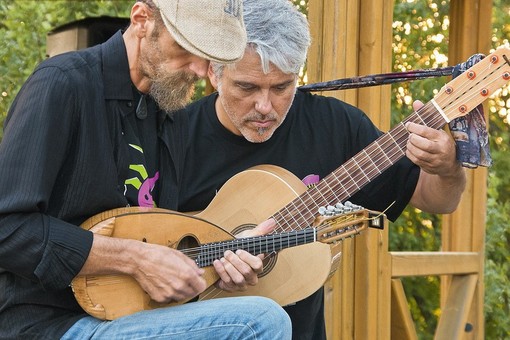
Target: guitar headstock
point(475, 85)
point(338, 222)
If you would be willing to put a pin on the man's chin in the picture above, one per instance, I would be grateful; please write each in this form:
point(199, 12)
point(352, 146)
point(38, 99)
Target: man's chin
point(258, 136)
point(174, 101)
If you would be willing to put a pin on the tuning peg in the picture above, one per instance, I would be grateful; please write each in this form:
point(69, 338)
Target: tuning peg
point(322, 211)
point(353, 206)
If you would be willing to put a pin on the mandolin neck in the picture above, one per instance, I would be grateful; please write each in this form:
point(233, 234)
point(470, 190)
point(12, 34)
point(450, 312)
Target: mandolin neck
point(205, 254)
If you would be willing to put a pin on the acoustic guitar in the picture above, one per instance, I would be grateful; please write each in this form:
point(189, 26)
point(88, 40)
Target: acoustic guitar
point(109, 297)
point(264, 191)
point(255, 194)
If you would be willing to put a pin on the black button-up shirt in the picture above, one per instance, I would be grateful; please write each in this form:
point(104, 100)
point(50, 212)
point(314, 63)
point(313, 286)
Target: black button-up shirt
point(63, 159)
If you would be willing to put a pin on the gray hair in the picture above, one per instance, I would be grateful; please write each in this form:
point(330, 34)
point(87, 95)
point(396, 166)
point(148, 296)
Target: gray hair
point(278, 32)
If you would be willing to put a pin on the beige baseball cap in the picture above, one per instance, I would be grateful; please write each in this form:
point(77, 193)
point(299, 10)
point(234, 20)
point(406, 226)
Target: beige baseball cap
point(211, 29)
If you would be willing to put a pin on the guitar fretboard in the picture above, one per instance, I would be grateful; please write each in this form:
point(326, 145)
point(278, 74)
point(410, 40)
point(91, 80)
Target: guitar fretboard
point(356, 172)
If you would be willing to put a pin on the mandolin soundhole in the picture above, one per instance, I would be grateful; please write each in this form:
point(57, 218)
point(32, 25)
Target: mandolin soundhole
point(187, 242)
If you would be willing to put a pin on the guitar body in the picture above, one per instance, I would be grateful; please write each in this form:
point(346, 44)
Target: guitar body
point(246, 199)
point(249, 198)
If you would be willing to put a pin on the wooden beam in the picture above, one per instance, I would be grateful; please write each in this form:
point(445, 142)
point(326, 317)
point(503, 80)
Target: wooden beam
point(454, 314)
point(433, 263)
point(464, 230)
point(402, 324)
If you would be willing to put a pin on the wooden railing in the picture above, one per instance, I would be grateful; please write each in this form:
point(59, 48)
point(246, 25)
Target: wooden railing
point(365, 299)
point(372, 303)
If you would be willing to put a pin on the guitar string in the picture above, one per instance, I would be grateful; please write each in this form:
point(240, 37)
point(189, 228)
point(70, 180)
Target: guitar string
point(437, 121)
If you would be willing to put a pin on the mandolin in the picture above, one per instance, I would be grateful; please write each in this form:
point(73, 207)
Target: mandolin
point(109, 297)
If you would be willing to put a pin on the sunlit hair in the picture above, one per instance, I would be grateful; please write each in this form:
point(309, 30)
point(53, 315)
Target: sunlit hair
point(278, 32)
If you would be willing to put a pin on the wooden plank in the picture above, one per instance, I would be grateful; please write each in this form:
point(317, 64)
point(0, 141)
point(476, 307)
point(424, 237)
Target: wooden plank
point(464, 230)
point(314, 60)
point(434, 263)
point(375, 56)
point(333, 55)
point(402, 324)
point(372, 286)
point(454, 314)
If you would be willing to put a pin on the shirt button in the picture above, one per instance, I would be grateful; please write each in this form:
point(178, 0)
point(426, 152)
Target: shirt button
point(129, 104)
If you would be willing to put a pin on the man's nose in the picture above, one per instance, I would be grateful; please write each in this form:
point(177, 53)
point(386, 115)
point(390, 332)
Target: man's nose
point(263, 104)
point(199, 66)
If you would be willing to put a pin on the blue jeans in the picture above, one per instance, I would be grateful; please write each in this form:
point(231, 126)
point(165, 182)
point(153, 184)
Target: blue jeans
point(230, 318)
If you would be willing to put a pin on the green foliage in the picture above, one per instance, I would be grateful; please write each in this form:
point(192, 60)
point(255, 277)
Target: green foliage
point(23, 28)
point(497, 243)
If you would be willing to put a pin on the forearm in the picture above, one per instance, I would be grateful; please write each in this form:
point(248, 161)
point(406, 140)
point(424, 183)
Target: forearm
point(439, 194)
point(109, 255)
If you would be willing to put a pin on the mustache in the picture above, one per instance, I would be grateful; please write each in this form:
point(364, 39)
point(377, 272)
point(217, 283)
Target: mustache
point(256, 116)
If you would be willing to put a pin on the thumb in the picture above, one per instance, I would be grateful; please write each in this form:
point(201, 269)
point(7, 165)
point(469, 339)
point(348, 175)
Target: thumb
point(266, 227)
point(263, 228)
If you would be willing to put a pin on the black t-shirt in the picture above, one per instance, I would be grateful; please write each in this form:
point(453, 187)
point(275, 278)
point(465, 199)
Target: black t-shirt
point(140, 131)
point(318, 135)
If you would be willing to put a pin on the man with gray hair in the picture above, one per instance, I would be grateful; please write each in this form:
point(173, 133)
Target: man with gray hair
point(257, 117)
point(88, 133)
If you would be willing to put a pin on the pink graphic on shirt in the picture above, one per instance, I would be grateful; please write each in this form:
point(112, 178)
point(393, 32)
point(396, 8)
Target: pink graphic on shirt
point(311, 180)
point(145, 192)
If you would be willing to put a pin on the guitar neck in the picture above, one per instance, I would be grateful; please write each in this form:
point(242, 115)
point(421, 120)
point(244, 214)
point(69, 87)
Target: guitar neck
point(455, 99)
point(358, 171)
point(205, 254)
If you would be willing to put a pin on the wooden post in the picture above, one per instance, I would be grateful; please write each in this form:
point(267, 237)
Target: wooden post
point(464, 230)
point(353, 37)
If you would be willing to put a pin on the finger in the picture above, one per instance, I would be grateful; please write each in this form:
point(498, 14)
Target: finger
point(254, 262)
point(417, 104)
point(219, 266)
point(423, 131)
point(242, 268)
point(240, 271)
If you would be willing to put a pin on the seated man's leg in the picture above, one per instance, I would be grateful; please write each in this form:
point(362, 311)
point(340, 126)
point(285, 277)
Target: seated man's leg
point(231, 318)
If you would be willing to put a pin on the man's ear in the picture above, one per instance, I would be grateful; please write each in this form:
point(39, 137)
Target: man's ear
point(140, 15)
point(212, 77)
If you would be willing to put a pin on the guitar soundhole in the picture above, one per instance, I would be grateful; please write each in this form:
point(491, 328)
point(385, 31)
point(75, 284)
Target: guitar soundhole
point(270, 259)
point(269, 263)
point(243, 227)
